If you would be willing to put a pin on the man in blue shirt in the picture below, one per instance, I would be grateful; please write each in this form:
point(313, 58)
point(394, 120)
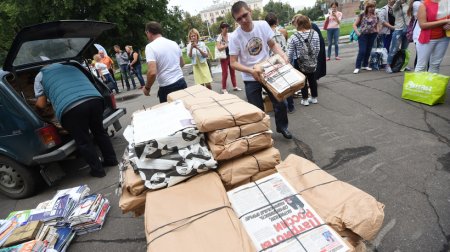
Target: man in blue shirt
point(79, 107)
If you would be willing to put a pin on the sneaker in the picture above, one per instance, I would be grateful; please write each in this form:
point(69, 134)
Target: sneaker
point(237, 89)
point(304, 102)
point(367, 68)
point(328, 59)
point(407, 69)
point(338, 58)
point(224, 91)
point(356, 71)
point(312, 100)
point(388, 69)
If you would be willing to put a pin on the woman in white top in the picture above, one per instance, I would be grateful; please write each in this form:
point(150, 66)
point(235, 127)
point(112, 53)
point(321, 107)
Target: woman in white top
point(106, 77)
point(198, 53)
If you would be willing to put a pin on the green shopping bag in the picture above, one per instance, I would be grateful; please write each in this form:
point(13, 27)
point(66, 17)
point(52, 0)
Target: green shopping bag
point(425, 87)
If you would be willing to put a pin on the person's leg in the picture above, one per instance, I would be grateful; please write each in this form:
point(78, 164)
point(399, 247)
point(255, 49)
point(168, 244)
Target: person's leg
point(290, 103)
point(440, 48)
point(232, 74)
point(387, 41)
point(312, 84)
point(336, 43)
point(109, 78)
point(224, 66)
point(405, 42)
point(280, 111)
point(370, 40)
point(253, 90)
point(330, 41)
point(76, 121)
point(138, 71)
point(423, 56)
point(305, 89)
point(124, 72)
point(100, 135)
point(395, 41)
point(362, 43)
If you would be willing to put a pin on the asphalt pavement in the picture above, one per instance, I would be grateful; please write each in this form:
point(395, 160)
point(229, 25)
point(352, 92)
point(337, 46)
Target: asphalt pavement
point(361, 131)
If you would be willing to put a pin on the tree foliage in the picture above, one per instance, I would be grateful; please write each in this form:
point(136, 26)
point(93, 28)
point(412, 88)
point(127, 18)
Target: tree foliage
point(129, 15)
point(283, 11)
point(315, 12)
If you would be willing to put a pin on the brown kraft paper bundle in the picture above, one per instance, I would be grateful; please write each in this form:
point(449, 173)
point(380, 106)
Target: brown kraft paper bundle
point(194, 216)
point(253, 178)
point(241, 169)
point(131, 203)
point(195, 91)
point(242, 146)
point(341, 205)
point(224, 111)
point(279, 75)
point(228, 135)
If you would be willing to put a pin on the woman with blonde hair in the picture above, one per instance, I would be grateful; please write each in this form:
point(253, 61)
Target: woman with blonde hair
point(104, 74)
point(367, 32)
point(198, 53)
point(304, 47)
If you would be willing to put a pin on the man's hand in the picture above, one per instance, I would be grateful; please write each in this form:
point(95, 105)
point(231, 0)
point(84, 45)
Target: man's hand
point(146, 91)
point(285, 58)
point(256, 73)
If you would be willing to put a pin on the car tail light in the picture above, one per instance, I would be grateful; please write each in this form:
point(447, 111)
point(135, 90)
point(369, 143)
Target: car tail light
point(113, 101)
point(49, 136)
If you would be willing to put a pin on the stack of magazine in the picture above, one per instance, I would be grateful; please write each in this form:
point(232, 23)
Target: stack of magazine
point(89, 215)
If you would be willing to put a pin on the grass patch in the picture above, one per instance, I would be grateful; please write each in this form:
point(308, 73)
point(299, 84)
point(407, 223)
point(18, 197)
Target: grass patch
point(144, 71)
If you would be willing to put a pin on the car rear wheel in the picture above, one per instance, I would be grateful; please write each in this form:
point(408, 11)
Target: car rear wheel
point(16, 180)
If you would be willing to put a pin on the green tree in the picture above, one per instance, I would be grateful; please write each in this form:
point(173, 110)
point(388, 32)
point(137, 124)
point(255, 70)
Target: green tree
point(283, 11)
point(130, 17)
point(314, 13)
point(381, 3)
point(196, 22)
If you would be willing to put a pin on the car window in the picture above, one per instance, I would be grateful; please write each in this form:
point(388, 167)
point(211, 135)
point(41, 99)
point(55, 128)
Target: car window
point(49, 49)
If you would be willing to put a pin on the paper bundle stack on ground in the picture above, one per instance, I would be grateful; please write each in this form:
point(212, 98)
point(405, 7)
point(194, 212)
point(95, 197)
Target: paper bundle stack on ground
point(239, 171)
point(342, 206)
point(165, 146)
point(196, 91)
point(277, 219)
point(282, 79)
point(30, 246)
point(194, 216)
point(131, 187)
point(89, 215)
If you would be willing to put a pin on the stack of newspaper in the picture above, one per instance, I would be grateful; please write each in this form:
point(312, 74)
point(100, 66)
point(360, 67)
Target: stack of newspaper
point(89, 215)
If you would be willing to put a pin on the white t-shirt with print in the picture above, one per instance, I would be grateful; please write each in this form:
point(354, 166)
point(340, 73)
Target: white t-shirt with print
point(251, 47)
point(166, 54)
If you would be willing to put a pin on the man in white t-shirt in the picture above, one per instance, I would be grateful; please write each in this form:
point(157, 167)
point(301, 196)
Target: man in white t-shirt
point(164, 59)
point(250, 44)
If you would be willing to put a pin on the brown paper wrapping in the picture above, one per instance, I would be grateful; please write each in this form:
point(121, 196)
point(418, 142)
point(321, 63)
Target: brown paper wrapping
point(276, 59)
point(223, 111)
point(228, 135)
point(341, 205)
point(133, 182)
point(192, 91)
point(194, 216)
point(131, 203)
point(241, 169)
point(241, 146)
point(253, 178)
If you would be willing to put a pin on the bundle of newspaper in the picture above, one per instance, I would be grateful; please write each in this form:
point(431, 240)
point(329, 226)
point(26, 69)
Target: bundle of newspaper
point(165, 146)
point(89, 215)
point(278, 219)
point(30, 246)
point(280, 77)
point(196, 91)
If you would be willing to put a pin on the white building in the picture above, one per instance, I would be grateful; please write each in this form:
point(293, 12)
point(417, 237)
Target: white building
point(220, 9)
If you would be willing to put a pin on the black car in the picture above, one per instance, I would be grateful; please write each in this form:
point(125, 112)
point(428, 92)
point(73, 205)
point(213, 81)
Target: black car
point(32, 143)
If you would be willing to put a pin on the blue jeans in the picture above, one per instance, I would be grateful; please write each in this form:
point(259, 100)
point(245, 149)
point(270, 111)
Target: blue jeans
point(365, 42)
point(110, 79)
point(138, 71)
point(253, 90)
point(398, 41)
point(387, 38)
point(164, 91)
point(125, 73)
point(333, 38)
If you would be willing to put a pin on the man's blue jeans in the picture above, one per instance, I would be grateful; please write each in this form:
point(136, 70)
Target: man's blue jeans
point(109, 78)
point(125, 73)
point(399, 41)
point(138, 70)
point(253, 91)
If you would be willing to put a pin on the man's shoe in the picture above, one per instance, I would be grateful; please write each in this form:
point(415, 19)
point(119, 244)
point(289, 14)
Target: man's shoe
point(312, 100)
point(388, 69)
point(304, 102)
point(110, 163)
point(285, 133)
point(97, 174)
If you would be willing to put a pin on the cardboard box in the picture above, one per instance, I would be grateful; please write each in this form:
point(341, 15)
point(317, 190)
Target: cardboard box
point(224, 111)
point(195, 91)
point(241, 146)
point(132, 203)
point(24, 233)
point(228, 135)
point(340, 204)
point(268, 106)
point(194, 216)
point(132, 182)
point(282, 79)
point(243, 168)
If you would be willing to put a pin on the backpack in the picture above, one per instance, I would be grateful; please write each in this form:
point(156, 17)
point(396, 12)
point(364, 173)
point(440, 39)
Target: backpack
point(376, 59)
point(306, 61)
point(400, 61)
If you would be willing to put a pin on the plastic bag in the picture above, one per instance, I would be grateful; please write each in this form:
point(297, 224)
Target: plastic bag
point(400, 61)
point(425, 87)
